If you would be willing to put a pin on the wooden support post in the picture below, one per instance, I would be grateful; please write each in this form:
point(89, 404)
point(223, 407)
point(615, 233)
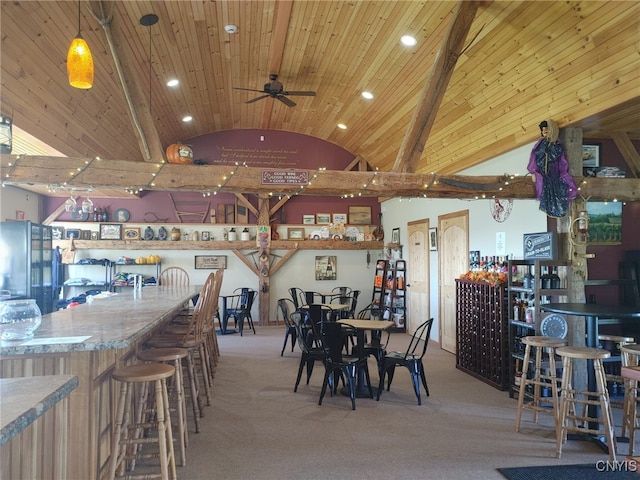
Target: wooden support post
point(264, 257)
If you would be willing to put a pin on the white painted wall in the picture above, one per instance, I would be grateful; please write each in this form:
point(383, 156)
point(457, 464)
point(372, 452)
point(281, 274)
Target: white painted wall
point(12, 199)
point(525, 218)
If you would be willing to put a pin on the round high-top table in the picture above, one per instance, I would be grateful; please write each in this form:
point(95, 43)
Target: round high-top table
point(592, 312)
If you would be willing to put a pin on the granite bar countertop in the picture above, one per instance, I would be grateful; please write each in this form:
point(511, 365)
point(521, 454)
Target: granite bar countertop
point(107, 323)
point(23, 400)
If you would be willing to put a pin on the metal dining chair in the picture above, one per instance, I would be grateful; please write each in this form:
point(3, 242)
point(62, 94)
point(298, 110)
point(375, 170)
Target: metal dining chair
point(285, 305)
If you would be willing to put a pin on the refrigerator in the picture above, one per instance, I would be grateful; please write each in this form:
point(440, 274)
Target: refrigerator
point(26, 262)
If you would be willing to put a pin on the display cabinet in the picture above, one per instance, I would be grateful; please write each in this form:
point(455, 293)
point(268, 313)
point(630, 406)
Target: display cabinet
point(389, 292)
point(482, 337)
point(530, 283)
point(101, 275)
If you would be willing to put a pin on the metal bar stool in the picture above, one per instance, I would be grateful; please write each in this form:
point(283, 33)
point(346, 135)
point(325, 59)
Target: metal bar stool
point(539, 379)
point(570, 397)
point(126, 438)
point(173, 356)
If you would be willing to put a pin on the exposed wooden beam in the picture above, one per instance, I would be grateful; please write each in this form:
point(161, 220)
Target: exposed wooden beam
point(628, 151)
point(84, 172)
point(435, 87)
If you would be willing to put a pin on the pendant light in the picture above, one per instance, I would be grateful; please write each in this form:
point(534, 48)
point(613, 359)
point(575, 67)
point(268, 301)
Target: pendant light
point(80, 61)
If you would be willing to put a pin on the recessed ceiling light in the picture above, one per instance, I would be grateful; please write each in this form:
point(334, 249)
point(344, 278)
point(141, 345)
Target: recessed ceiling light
point(342, 126)
point(188, 118)
point(408, 40)
point(174, 82)
point(367, 95)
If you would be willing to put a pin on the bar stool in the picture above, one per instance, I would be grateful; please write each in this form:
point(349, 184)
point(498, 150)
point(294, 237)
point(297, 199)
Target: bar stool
point(539, 379)
point(630, 358)
point(126, 436)
point(173, 356)
point(570, 397)
point(614, 343)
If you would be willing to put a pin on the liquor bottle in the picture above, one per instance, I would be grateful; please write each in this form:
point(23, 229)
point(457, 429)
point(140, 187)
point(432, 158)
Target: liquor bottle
point(555, 278)
point(105, 214)
point(545, 279)
point(95, 215)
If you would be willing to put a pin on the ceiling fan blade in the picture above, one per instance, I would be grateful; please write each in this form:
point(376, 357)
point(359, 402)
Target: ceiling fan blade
point(288, 102)
point(257, 98)
point(303, 93)
point(248, 89)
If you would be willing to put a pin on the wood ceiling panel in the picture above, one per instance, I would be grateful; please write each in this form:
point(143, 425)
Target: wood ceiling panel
point(530, 60)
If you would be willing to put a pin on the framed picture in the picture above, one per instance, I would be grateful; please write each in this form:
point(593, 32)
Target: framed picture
point(395, 236)
point(323, 218)
point(205, 236)
point(57, 233)
point(359, 215)
point(308, 219)
point(433, 239)
point(605, 223)
point(86, 235)
point(94, 235)
point(208, 262)
point(131, 233)
point(74, 233)
point(591, 155)
point(110, 231)
point(326, 267)
point(295, 233)
point(340, 218)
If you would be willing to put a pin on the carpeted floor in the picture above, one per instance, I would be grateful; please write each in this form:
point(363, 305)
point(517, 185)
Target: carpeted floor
point(597, 471)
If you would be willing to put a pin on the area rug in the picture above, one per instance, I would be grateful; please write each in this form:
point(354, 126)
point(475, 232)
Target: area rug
point(572, 472)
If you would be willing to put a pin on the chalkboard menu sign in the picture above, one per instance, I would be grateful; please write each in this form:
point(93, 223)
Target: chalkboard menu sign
point(540, 246)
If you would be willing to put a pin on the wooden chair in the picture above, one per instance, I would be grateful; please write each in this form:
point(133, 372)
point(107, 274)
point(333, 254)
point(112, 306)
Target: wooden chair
point(174, 276)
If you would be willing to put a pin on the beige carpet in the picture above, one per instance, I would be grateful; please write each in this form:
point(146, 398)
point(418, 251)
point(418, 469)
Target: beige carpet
point(258, 428)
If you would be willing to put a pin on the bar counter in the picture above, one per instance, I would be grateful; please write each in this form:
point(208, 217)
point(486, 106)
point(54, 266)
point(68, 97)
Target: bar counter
point(90, 341)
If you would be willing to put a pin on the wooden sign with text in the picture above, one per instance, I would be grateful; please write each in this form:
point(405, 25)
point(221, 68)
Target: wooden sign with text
point(284, 177)
point(540, 246)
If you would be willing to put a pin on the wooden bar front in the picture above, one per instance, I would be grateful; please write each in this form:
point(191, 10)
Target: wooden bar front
point(116, 326)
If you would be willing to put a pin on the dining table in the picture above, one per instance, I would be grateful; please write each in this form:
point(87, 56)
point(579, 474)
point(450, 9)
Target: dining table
point(89, 342)
point(322, 296)
point(362, 326)
point(225, 302)
point(592, 314)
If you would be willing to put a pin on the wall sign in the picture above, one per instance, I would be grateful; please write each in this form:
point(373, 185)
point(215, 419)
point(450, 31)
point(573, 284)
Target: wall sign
point(540, 246)
point(210, 262)
point(284, 177)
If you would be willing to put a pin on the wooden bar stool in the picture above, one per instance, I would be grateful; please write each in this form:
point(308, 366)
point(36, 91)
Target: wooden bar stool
point(126, 438)
point(614, 343)
point(569, 398)
point(173, 356)
point(539, 379)
point(630, 358)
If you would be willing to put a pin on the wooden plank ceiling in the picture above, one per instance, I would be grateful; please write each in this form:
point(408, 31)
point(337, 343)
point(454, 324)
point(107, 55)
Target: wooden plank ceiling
point(574, 62)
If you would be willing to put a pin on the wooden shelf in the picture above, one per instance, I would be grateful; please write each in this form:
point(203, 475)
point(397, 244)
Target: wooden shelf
point(217, 245)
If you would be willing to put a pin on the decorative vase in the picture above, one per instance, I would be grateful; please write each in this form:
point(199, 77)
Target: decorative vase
point(175, 234)
point(233, 236)
point(378, 232)
point(19, 319)
point(245, 235)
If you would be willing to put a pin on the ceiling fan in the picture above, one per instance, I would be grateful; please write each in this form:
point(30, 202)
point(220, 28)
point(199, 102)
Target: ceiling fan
point(274, 89)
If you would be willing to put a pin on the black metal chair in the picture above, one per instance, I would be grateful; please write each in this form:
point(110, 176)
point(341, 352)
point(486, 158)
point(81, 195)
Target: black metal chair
point(240, 310)
point(310, 354)
point(377, 346)
point(339, 364)
point(297, 297)
point(285, 305)
point(409, 359)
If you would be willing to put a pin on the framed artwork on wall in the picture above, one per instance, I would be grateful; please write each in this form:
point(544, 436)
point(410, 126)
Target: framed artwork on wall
point(605, 223)
point(340, 218)
point(323, 218)
point(132, 233)
point(308, 219)
point(395, 236)
point(208, 262)
point(110, 231)
point(326, 267)
point(591, 155)
point(295, 233)
point(433, 239)
point(74, 233)
point(359, 215)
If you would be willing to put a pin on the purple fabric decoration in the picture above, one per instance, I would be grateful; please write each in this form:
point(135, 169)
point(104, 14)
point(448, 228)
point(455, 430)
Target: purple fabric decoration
point(554, 185)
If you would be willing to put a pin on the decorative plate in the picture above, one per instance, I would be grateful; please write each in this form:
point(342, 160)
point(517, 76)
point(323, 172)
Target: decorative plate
point(162, 233)
point(148, 233)
point(121, 215)
point(554, 325)
point(352, 232)
point(79, 216)
point(501, 209)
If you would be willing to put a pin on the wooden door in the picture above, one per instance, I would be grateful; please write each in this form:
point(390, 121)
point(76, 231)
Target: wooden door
point(453, 260)
point(418, 274)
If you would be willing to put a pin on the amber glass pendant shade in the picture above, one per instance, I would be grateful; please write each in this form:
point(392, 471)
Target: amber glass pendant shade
point(80, 64)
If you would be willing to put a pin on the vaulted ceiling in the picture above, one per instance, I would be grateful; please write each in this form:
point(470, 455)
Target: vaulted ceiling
point(520, 62)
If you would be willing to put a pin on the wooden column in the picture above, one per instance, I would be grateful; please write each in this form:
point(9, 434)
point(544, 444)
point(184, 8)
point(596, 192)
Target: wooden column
point(264, 263)
point(573, 251)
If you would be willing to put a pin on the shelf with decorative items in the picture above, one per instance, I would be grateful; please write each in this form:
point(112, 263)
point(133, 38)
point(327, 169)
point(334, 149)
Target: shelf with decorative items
point(532, 283)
